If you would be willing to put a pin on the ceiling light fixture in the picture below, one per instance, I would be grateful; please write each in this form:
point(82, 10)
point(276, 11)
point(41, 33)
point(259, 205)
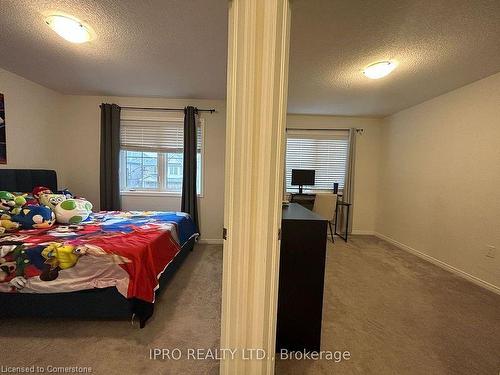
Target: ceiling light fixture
point(69, 28)
point(379, 69)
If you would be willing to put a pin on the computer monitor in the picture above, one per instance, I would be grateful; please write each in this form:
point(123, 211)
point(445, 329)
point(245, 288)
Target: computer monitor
point(302, 177)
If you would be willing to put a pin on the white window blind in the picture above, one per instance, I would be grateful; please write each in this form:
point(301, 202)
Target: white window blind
point(154, 136)
point(325, 151)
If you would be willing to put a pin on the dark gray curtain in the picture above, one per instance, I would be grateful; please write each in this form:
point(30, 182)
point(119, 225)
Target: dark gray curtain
point(110, 157)
point(189, 198)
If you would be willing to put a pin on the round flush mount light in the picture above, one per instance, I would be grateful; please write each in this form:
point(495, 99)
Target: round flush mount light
point(69, 28)
point(379, 69)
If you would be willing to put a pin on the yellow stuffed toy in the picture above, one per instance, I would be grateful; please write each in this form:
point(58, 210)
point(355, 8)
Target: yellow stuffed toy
point(7, 224)
point(60, 255)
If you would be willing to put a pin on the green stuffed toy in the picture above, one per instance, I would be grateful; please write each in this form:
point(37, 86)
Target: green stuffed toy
point(9, 205)
point(21, 258)
point(20, 202)
point(7, 201)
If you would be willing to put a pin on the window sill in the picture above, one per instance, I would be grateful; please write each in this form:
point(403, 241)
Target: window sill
point(152, 193)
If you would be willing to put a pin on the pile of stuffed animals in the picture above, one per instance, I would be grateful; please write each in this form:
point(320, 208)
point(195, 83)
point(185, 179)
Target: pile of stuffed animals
point(42, 210)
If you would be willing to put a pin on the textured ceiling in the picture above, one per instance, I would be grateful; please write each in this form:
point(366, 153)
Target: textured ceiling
point(177, 48)
point(440, 45)
point(169, 48)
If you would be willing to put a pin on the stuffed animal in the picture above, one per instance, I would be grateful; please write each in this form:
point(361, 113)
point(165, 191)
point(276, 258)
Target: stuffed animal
point(9, 206)
point(73, 211)
point(20, 201)
point(21, 258)
point(8, 225)
point(7, 201)
point(51, 200)
point(37, 191)
point(66, 193)
point(58, 257)
point(37, 217)
point(10, 203)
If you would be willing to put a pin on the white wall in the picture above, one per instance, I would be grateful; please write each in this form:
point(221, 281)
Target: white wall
point(82, 127)
point(433, 168)
point(440, 177)
point(32, 122)
point(48, 130)
point(367, 162)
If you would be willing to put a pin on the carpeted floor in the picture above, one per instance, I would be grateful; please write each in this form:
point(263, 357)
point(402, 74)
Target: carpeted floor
point(398, 314)
point(393, 312)
point(187, 316)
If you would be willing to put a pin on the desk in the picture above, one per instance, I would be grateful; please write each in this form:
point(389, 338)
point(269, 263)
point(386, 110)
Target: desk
point(307, 200)
point(301, 279)
point(304, 199)
point(341, 204)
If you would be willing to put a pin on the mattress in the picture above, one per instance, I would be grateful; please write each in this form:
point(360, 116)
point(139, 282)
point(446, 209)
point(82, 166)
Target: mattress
point(128, 250)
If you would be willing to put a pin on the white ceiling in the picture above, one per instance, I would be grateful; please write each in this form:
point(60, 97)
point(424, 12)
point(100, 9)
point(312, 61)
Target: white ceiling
point(440, 45)
point(177, 48)
point(168, 48)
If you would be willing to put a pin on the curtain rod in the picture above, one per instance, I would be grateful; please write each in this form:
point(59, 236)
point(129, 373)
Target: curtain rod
point(212, 110)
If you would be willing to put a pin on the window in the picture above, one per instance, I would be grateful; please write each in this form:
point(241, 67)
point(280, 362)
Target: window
point(325, 151)
point(141, 169)
point(152, 155)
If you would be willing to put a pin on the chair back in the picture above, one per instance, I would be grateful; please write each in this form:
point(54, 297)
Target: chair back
point(325, 205)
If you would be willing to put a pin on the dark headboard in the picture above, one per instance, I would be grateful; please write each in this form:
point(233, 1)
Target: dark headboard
point(24, 180)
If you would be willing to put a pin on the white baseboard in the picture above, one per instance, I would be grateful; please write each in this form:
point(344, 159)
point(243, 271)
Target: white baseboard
point(440, 263)
point(210, 241)
point(361, 232)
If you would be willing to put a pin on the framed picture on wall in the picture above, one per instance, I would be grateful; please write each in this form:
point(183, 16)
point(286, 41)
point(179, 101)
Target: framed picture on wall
point(3, 140)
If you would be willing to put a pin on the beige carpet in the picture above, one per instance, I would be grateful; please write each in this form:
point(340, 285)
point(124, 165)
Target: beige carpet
point(398, 314)
point(187, 315)
point(395, 313)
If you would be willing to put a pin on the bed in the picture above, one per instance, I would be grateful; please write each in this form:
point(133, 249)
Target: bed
point(129, 257)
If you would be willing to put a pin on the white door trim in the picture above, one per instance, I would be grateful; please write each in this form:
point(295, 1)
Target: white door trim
point(255, 133)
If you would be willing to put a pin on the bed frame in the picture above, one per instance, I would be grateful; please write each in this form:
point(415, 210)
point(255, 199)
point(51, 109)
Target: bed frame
point(105, 303)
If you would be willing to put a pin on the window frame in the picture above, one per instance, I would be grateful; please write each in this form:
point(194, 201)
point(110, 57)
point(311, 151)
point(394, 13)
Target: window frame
point(162, 165)
point(313, 134)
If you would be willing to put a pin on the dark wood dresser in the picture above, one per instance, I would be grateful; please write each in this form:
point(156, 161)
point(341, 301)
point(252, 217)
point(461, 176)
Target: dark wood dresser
point(301, 279)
